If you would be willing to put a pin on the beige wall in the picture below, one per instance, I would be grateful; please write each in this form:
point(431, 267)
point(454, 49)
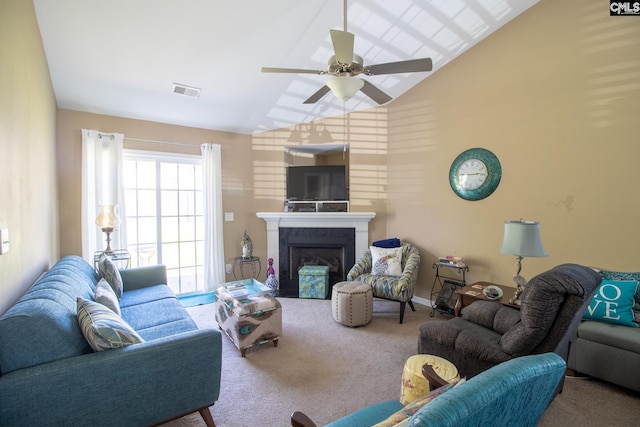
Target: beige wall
point(235, 173)
point(555, 95)
point(28, 200)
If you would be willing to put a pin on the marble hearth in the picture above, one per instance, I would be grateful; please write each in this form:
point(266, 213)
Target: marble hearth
point(295, 223)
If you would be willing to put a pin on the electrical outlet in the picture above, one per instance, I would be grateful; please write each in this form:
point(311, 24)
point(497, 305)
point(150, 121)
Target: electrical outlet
point(228, 216)
point(228, 268)
point(4, 240)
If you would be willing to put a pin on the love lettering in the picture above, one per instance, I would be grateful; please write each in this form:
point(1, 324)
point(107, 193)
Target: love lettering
point(606, 296)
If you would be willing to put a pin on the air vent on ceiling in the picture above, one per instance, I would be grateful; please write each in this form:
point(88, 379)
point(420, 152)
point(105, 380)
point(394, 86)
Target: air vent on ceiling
point(185, 90)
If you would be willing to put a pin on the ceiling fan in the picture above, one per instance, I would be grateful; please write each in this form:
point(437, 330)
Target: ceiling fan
point(345, 65)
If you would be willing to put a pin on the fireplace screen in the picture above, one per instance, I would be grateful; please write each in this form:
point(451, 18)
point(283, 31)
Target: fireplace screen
point(330, 257)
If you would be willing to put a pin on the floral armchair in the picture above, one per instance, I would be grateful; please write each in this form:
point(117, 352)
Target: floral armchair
point(395, 288)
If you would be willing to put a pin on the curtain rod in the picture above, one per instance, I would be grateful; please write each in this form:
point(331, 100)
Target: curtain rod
point(161, 142)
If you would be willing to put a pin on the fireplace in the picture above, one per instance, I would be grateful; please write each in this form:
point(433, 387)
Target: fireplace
point(332, 247)
point(356, 224)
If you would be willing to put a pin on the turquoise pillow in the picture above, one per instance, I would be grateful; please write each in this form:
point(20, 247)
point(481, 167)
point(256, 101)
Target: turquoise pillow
point(613, 302)
point(622, 275)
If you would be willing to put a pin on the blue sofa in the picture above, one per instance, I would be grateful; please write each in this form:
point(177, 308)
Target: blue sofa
point(51, 376)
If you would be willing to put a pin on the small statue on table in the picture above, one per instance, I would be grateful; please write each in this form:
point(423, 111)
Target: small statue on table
point(247, 246)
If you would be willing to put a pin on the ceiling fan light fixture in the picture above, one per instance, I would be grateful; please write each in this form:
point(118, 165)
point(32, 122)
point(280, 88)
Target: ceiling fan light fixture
point(345, 88)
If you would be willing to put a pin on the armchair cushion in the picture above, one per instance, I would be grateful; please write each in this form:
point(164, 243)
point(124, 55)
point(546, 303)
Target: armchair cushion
point(386, 261)
point(389, 287)
point(393, 242)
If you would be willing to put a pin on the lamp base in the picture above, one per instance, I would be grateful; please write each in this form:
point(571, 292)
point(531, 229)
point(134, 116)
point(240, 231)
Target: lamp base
point(520, 284)
point(108, 231)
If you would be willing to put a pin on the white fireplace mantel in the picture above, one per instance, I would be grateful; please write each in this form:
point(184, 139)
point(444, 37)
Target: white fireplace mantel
point(275, 220)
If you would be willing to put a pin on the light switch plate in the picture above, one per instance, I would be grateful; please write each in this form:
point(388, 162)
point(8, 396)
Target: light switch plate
point(4, 238)
point(228, 216)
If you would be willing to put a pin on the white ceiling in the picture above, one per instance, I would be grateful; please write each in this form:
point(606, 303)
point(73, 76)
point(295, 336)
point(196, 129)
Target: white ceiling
point(122, 57)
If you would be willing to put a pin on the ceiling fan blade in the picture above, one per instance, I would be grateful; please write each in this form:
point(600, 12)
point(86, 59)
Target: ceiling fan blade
point(316, 96)
point(410, 66)
point(374, 93)
point(292, 70)
point(342, 46)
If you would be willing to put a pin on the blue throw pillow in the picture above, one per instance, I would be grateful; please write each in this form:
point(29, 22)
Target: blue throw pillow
point(622, 275)
point(613, 302)
point(393, 242)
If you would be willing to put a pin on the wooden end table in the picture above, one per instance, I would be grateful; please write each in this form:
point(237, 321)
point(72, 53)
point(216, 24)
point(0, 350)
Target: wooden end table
point(470, 293)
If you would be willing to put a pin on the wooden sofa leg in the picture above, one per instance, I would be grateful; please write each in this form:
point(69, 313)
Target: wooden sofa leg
point(402, 305)
point(206, 416)
point(411, 305)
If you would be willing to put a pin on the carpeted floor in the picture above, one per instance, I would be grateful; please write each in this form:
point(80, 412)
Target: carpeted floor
point(328, 370)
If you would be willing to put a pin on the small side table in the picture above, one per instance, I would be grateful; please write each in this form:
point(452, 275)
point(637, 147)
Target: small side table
point(121, 257)
point(468, 294)
point(246, 268)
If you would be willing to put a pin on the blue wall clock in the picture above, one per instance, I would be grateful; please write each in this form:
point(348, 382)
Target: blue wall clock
point(475, 174)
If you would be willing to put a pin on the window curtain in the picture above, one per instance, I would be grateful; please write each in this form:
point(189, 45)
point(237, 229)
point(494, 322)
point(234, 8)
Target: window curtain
point(102, 185)
point(213, 241)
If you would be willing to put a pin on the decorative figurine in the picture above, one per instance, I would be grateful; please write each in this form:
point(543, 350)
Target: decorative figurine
point(247, 246)
point(272, 281)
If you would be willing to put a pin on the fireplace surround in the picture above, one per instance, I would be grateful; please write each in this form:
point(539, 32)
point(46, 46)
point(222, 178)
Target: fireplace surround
point(318, 237)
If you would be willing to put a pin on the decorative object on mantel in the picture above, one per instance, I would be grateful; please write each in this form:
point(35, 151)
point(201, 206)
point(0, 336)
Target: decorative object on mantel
point(272, 280)
point(522, 239)
point(247, 245)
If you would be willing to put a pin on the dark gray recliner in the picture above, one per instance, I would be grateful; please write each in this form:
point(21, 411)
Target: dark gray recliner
point(489, 333)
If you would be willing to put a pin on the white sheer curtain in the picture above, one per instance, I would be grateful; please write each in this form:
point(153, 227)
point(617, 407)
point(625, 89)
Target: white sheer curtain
point(102, 184)
point(213, 241)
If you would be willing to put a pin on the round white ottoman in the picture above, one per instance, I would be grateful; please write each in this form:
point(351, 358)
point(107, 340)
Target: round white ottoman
point(352, 303)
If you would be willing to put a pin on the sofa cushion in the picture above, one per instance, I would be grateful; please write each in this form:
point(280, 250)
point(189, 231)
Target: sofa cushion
point(102, 328)
point(157, 319)
point(610, 335)
point(613, 302)
point(106, 296)
point(41, 327)
point(109, 271)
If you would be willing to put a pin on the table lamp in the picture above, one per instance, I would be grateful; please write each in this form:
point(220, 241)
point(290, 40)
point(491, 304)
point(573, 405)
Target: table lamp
point(522, 239)
point(108, 220)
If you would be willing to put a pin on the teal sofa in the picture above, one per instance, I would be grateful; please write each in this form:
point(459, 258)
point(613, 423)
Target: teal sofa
point(513, 393)
point(50, 376)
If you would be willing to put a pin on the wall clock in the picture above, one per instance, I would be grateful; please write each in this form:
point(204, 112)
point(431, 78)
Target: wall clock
point(475, 174)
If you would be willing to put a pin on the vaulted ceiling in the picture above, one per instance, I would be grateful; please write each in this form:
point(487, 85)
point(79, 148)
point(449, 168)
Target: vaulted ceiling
point(123, 57)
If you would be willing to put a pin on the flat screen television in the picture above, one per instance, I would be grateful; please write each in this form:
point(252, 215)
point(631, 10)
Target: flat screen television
point(317, 183)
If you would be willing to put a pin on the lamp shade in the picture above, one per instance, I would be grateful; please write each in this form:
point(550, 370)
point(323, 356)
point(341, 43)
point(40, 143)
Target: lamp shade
point(345, 87)
point(107, 218)
point(522, 238)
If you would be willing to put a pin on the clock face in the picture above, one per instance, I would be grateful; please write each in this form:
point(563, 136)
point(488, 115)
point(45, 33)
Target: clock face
point(472, 174)
point(475, 174)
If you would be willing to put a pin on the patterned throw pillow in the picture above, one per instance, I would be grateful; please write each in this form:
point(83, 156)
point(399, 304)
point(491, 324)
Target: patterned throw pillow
point(109, 272)
point(107, 297)
point(410, 410)
point(613, 302)
point(386, 261)
point(102, 328)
